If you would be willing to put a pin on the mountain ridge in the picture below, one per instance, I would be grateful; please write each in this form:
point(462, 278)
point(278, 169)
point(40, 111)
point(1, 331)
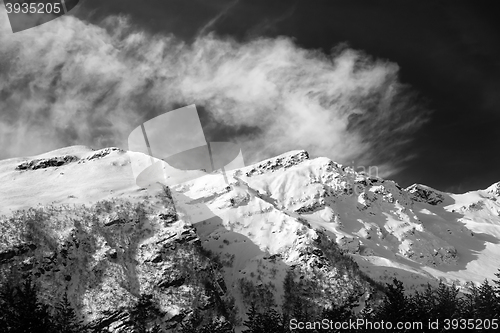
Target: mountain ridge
point(287, 215)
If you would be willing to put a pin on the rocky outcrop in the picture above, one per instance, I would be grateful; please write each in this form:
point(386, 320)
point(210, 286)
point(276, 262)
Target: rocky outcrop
point(58, 161)
point(101, 153)
point(19, 250)
point(350, 245)
point(110, 254)
point(428, 253)
point(47, 162)
point(494, 189)
point(425, 194)
point(323, 270)
point(281, 162)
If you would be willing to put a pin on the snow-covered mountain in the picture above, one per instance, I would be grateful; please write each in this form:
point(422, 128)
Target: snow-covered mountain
point(287, 213)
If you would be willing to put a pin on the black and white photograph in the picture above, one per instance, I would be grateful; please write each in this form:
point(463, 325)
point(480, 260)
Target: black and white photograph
point(249, 166)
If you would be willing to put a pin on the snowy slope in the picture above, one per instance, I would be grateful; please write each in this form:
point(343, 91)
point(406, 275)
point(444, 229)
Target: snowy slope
point(413, 233)
point(272, 215)
point(84, 176)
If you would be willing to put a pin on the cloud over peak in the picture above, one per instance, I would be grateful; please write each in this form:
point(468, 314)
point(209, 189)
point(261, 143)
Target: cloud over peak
point(70, 82)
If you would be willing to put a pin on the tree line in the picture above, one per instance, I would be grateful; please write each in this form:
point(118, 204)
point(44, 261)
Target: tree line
point(438, 309)
point(477, 310)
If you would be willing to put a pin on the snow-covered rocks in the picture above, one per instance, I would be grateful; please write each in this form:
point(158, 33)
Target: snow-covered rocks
point(432, 252)
point(47, 162)
point(494, 189)
point(422, 193)
point(106, 255)
point(101, 153)
point(280, 162)
point(350, 245)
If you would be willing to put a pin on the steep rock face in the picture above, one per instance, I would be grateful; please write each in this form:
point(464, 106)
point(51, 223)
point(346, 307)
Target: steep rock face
point(106, 256)
point(426, 194)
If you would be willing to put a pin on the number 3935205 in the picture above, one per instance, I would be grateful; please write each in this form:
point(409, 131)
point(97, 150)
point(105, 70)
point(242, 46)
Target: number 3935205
point(28, 14)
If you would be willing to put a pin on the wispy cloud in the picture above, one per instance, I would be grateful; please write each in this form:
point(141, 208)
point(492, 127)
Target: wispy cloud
point(213, 21)
point(70, 82)
point(270, 23)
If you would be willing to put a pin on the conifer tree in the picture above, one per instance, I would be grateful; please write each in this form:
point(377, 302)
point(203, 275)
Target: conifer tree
point(144, 311)
point(396, 306)
point(496, 283)
point(65, 317)
point(487, 302)
point(7, 307)
point(342, 312)
point(269, 321)
point(21, 310)
point(447, 302)
point(252, 322)
point(423, 304)
point(289, 297)
point(396, 303)
point(216, 325)
point(468, 302)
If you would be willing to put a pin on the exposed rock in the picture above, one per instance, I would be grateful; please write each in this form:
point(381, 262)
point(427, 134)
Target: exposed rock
point(311, 207)
point(475, 206)
point(111, 222)
point(113, 254)
point(176, 319)
point(317, 252)
point(47, 162)
point(110, 318)
point(494, 189)
point(350, 245)
point(432, 252)
point(173, 281)
point(168, 217)
point(18, 250)
point(107, 268)
point(281, 162)
point(426, 194)
point(101, 153)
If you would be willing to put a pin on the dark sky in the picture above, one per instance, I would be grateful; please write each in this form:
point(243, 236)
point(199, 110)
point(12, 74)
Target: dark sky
point(447, 51)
